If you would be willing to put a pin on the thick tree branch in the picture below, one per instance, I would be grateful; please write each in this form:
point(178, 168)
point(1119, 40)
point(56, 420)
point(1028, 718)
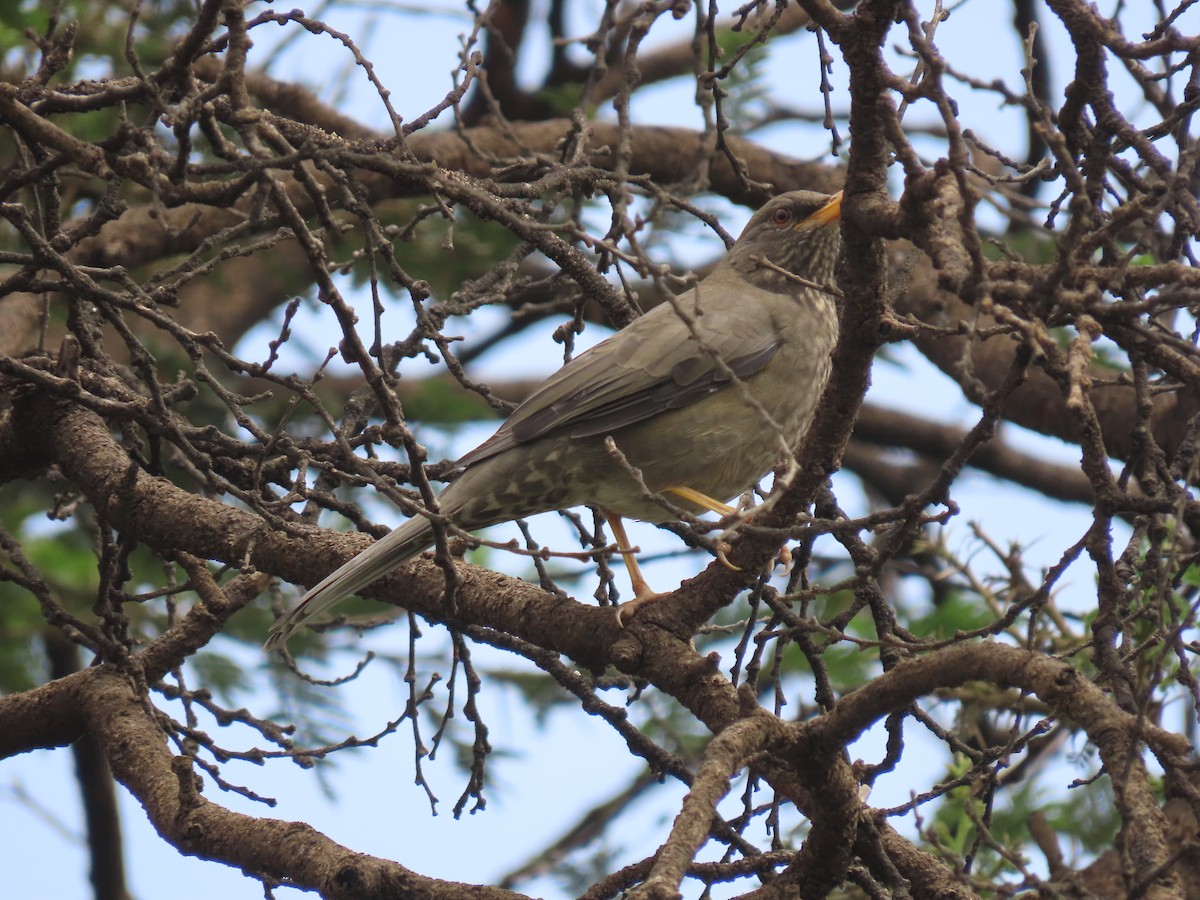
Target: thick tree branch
point(161, 515)
point(289, 852)
point(1117, 734)
point(103, 818)
point(967, 346)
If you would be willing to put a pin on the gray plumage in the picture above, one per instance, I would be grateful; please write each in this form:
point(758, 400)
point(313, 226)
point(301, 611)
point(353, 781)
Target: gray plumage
point(671, 408)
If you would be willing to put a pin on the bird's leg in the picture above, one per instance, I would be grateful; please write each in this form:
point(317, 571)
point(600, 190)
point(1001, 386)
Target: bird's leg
point(783, 558)
point(721, 509)
point(642, 593)
point(694, 496)
point(724, 509)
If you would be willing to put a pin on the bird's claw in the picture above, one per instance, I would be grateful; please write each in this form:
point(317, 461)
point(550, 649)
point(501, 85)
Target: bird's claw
point(784, 558)
point(722, 549)
point(629, 607)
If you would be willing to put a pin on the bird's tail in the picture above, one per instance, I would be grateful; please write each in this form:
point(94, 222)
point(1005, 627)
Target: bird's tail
point(373, 563)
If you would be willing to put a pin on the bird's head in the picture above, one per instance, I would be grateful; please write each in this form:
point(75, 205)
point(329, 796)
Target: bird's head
point(797, 232)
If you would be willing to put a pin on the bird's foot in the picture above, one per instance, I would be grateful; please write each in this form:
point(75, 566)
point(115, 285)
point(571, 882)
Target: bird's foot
point(642, 597)
point(722, 549)
point(784, 558)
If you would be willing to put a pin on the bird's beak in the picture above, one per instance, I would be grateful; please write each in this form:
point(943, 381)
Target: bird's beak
point(830, 212)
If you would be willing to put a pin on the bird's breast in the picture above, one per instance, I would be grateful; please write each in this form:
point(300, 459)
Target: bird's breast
point(724, 443)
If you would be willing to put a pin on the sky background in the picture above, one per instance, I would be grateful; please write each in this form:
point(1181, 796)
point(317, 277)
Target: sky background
point(538, 787)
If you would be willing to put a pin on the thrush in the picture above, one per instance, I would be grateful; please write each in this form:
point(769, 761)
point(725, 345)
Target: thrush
point(700, 397)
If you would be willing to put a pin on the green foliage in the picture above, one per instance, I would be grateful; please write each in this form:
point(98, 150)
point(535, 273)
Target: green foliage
point(563, 98)
point(956, 612)
point(440, 253)
point(955, 829)
point(65, 559)
point(1088, 816)
point(16, 17)
point(443, 402)
point(745, 85)
point(21, 623)
point(220, 674)
point(1027, 245)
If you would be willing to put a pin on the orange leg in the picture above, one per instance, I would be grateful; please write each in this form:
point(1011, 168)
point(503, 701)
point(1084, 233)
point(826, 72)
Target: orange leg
point(686, 493)
point(642, 592)
point(721, 509)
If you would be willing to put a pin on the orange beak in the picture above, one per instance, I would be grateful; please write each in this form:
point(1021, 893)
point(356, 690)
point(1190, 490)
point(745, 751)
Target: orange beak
point(830, 212)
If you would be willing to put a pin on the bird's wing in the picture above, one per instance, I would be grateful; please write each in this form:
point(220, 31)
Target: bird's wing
point(652, 366)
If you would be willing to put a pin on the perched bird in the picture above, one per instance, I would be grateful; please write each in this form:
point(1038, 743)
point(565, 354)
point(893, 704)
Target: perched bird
point(701, 396)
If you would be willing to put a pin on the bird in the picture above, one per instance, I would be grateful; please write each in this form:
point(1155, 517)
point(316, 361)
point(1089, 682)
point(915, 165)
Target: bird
point(697, 399)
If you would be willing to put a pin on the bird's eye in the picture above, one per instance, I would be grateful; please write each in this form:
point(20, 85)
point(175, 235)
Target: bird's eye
point(781, 216)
